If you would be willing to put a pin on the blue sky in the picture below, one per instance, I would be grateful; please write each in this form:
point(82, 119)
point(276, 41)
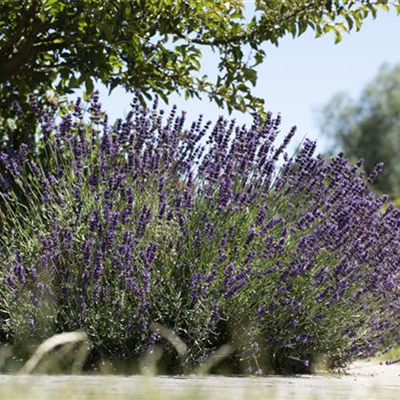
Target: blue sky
point(299, 76)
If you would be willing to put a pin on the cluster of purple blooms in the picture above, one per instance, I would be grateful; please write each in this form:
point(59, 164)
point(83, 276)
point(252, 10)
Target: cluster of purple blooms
point(203, 230)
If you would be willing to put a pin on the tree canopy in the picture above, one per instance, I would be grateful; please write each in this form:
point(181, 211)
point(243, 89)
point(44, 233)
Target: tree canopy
point(154, 46)
point(369, 127)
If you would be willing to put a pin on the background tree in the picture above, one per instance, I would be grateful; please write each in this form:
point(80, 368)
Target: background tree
point(369, 127)
point(154, 46)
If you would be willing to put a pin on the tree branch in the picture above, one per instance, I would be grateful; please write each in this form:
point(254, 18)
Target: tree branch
point(251, 35)
point(21, 26)
point(13, 65)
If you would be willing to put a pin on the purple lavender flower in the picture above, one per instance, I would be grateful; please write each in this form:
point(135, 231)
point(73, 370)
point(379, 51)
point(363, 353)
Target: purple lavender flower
point(148, 221)
point(98, 269)
point(374, 174)
point(261, 312)
point(196, 286)
point(31, 323)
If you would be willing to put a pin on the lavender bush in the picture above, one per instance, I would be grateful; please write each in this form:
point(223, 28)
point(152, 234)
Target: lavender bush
point(211, 232)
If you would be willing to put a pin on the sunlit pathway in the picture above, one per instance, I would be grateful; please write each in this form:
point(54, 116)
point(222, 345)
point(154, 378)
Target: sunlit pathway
point(364, 381)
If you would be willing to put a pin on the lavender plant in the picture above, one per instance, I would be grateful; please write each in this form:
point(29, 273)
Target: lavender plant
point(211, 232)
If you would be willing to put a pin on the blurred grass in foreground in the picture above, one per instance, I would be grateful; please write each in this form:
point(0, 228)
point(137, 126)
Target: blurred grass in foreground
point(26, 386)
point(303, 388)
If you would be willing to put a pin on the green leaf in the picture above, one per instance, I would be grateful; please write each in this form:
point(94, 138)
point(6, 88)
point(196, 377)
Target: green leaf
point(195, 62)
point(259, 58)
point(350, 22)
point(251, 75)
point(338, 37)
point(242, 87)
point(383, 7)
point(89, 87)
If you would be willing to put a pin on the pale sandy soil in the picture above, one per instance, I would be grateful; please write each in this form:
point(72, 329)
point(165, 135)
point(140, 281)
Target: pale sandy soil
point(375, 369)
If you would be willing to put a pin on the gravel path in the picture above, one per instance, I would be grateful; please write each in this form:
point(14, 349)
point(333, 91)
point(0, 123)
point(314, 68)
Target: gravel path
point(365, 380)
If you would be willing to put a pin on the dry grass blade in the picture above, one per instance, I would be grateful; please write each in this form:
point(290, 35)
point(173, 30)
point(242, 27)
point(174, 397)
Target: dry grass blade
point(49, 344)
point(171, 336)
point(148, 364)
point(224, 351)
